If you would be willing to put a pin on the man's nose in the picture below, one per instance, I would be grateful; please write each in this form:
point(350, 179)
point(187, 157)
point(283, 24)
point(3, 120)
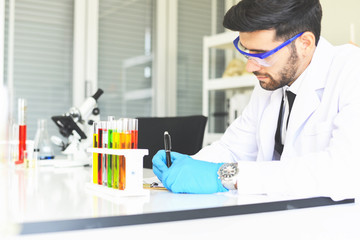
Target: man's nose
point(252, 66)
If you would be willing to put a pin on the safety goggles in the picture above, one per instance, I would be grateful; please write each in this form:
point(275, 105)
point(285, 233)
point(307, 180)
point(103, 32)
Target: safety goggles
point(265, 59)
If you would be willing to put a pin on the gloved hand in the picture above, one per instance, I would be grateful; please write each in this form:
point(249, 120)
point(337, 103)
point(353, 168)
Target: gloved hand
point(187, 175)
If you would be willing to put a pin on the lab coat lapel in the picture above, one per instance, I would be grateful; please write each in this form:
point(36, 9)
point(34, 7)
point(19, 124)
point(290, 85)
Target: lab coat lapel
point(307, 99)
point(303, 108)
point(267, 126)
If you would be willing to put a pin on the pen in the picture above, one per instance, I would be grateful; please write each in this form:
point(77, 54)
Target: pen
point(167, 143)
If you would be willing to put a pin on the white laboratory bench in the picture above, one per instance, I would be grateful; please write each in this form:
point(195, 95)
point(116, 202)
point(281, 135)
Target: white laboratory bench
point(54, 203)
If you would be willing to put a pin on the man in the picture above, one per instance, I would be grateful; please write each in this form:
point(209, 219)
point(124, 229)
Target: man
point(300, 132)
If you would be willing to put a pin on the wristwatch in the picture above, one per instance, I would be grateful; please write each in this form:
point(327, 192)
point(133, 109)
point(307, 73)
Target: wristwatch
point(227, 174)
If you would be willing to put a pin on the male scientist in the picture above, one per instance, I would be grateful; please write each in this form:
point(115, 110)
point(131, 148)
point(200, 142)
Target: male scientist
point(300, 132)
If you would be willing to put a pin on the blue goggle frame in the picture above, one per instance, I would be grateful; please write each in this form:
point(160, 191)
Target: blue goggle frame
point(265, 54)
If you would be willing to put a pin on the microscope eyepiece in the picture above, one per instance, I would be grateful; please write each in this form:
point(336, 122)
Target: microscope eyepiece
point(98, 94)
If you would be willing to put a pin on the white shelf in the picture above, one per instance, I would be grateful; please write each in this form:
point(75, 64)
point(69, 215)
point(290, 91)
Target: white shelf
point(220, 41)
point(140, 94)
point(243, 81)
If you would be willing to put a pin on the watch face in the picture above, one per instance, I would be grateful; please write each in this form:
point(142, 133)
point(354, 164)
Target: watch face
point(228, 170)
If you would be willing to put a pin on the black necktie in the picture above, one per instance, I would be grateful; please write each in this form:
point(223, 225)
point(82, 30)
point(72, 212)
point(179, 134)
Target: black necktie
point(291, 98)
point(278, 143)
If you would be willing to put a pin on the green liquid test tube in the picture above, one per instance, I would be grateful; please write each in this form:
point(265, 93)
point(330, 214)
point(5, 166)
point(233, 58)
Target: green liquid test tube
point(116, 172)
point(110, 156)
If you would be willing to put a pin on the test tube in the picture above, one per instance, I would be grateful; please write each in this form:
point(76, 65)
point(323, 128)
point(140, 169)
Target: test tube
point(105, 145)
point(100, 145)
point(127, 132)
point(110, 156)
point(134, 133)
point(115, 145)
point(95, 155)
point(125, 142)
point(22, 129)
point(121, 157)
point(116, 162)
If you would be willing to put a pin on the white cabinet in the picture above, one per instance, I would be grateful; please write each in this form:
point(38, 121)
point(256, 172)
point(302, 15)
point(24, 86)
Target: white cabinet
point(218, 92)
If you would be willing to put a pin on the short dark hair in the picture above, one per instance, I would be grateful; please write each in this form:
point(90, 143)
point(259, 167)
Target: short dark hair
point(287, 17)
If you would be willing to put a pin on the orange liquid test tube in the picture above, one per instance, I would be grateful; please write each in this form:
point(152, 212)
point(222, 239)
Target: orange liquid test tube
point(118, 160)
point(127, 136)
point(122, 163)
point(127, 141)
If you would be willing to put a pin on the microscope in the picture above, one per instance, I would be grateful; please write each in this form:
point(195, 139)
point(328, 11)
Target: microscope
point(76, 126)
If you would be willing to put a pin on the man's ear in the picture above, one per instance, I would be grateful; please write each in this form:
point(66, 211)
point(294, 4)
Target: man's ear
point(306, 42)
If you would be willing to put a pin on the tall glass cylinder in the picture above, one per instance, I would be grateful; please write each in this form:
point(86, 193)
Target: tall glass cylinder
point(22, 105)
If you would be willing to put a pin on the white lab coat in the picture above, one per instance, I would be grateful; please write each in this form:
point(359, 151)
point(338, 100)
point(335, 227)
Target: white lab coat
point(322, 150)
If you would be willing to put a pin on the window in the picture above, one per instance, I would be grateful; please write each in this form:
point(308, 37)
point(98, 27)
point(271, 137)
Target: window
point(194, 22)
point(43, 56)
point(125, 57)
point(42, 59)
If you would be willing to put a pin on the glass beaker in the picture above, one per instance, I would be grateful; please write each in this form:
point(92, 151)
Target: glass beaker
point(42, 143)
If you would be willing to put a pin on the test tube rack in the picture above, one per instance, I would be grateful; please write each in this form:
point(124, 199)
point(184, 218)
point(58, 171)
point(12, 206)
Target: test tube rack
point(134, 173)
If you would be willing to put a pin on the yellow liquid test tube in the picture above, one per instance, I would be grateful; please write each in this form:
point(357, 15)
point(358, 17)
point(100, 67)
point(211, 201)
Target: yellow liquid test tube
point(95, 155)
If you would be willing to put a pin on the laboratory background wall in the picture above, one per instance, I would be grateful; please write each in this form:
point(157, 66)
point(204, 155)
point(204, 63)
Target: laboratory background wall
point(338, 16)
point(41, 53)
point(49, 55)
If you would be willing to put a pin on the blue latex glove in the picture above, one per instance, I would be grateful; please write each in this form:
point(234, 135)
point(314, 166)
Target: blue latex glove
point(187, 175)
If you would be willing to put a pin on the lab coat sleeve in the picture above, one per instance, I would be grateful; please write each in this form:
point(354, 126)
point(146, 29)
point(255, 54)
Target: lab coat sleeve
point(299, 178)
point(239, 140)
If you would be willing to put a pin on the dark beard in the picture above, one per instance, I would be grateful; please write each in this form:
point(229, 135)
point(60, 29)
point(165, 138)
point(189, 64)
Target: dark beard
point(286, 75)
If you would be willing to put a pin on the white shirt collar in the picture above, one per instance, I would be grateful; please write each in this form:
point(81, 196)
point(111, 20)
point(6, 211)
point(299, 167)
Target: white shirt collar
point(295, 86)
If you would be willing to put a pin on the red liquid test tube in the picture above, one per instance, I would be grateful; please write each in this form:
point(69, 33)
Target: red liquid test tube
point(100, 156)
point(134, 133)
point(22, 129)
